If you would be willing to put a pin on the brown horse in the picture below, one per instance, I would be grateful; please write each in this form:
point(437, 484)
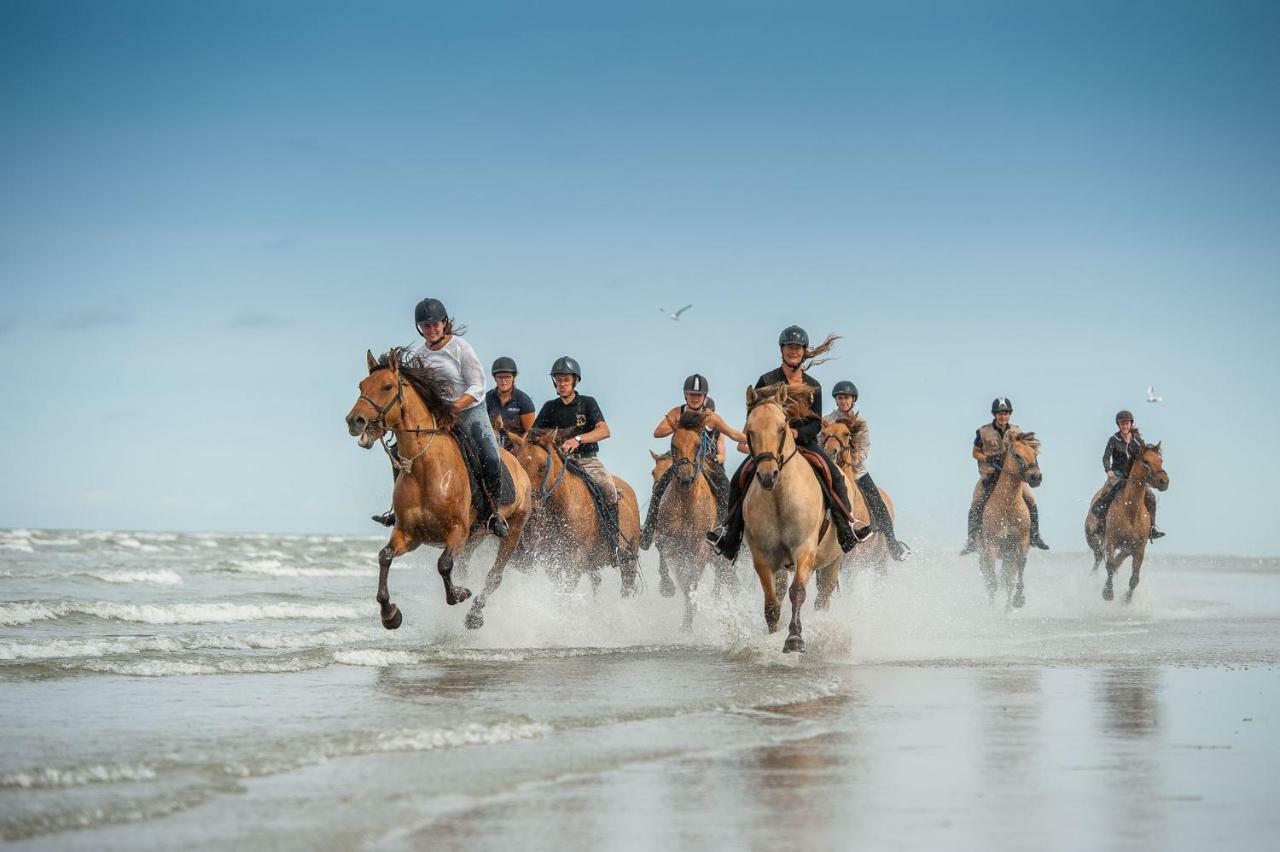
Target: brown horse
point(565, 528)
point(1128, 522)
point(432, 496)
point(687, 511)
point(837, 442)
point(1006, 521)
point(784, 512)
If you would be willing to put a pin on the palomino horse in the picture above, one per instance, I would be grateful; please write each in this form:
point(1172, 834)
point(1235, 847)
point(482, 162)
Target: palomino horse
point(1128, 522)
point(837, 442)
point(784, 513)
point(432, 496)
point(687, 511)
point(1006, 522)
point(565, 527)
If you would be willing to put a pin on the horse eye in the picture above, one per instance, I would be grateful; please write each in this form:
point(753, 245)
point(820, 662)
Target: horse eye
point(386, 387)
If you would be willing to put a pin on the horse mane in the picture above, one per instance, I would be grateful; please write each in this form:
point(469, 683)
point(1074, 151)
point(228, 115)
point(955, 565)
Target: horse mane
point(544, 436)
point(429, 386)
point(795, 401)
point(690, 419)
point(1028, 438)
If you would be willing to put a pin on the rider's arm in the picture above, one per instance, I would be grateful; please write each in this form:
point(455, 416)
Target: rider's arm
point(978, 454)
point(715, 420)
point(526, 421)
point(720, 448)
point(1106, 458)
point(596, 435)
point(668, 424)
point(472, 374)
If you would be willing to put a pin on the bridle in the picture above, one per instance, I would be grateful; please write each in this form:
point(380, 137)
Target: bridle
point(380, 422)
point(699, 456)
point(842, 448)
point(1023, 467)
point(548, 486)
point(758, 459)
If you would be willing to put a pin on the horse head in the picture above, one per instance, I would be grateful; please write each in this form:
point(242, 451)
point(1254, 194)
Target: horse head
point(661, 464)
point(1152, 460)
point(381, 398)
point(688, 453)
point(1023, 449)
point(768, 432)
point(836, 440)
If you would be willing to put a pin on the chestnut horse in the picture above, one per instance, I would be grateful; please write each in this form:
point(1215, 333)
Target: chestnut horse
point(565, 529)
point(687, 511)
point(837, 442)
point(432, 496)
point(1128, 522)
point(1006, 521)
point(784, 512)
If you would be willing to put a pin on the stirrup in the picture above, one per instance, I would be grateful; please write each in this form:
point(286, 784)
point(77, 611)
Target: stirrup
point(1155, 534)
point(498, 525)
point(387, 519)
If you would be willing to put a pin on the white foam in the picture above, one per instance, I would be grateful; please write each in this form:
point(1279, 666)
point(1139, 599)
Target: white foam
point(175, 668)
point(375, 657)
point(275, 568)
point(158, 576)
point(25, 612)
point(75, 776)
point(54, 649)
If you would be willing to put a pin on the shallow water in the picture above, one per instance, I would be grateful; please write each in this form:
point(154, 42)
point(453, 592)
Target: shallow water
point(205, 691)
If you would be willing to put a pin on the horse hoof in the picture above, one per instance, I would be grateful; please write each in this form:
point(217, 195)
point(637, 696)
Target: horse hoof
point(1019, 600)
point(474, 620)
point(393, 623)
point(460, 594)
point(1107, 594)
point(667, 588)
point(1128, 596)
point(793, 643)
point(822, 603)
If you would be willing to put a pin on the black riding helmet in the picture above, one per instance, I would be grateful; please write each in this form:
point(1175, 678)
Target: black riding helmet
point(845, 387)
point(1000, 404)
point(697, 383)
point(1124, 415)
point(794, 334)
point(503, 365)
point(565, 364)
point(429, 310)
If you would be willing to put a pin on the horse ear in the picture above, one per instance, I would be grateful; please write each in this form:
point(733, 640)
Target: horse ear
point(751, 396)
point(372, 361)
point(656, 457)
point(393, 360)
point(1158, 446)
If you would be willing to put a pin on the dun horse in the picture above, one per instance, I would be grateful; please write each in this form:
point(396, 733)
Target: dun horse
point(1128, 523)
point(432, 496)
point(837, 442)
point(687, 511)
point(784, 513)
point(565, 529)
point(1006, 522)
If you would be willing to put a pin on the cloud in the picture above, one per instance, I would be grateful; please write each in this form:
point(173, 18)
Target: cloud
point(81, 319)
point(256, 319)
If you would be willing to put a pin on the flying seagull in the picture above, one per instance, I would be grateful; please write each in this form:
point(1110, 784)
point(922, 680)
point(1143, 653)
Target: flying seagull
point(1151, 395)
point(676, 316)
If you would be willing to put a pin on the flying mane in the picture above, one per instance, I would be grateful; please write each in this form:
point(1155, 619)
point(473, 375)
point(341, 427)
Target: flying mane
point(430, 387)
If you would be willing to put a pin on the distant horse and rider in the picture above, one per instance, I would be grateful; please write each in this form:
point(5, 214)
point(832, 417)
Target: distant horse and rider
point(1122, 514)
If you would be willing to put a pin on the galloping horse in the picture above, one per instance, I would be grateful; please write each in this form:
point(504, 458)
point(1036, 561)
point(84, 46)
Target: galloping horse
point(687, 511)
point(432, 496)
point(837, 442)
point(565, 526)
point(1128, 522)
point(784, 512)
point(1006, 522)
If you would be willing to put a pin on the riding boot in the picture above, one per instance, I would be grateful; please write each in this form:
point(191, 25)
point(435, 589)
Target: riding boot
point(497, 524)
point(651, 518)
point(727, 537)
point(975, 514)
point(387, 518)
point(880, 518)
point(1151, 509)
point(844, 530)
point(719, 484)
point(1036, 540)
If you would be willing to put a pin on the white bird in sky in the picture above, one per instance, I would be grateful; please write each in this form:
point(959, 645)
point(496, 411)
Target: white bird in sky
point(1151, 395)
point(676, 316)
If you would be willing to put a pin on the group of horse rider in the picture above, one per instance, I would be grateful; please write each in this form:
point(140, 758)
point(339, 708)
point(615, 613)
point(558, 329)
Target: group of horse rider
point(505, 409)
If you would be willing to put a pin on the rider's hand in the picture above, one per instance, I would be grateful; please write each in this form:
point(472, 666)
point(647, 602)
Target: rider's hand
point(571, 444)
point(795, 434)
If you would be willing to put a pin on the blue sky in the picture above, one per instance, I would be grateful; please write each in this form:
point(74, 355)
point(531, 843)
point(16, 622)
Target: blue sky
point(211, 210)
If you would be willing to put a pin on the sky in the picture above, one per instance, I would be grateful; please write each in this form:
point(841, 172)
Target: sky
point(211, 210)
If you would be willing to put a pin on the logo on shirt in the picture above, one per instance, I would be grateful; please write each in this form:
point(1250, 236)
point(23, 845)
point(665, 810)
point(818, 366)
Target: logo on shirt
point(581, 421)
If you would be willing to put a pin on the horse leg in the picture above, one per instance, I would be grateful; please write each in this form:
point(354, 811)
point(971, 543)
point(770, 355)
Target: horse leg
point(398, 545)
point(804, 566)
point(689, 574)
point(772, 608)
point(1020, 564)
point(1135, 574)
point(1114, 558)
point(665, 586)
point(828, 580)
point(987, 562)
point(453, 541)
point(507, 549)
point(596, 580)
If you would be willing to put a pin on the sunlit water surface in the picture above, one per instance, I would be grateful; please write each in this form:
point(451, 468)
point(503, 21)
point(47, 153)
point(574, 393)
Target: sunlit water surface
point(166, 691)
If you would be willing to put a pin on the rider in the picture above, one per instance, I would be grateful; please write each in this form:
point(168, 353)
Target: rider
point(452, 359)
point(988, 451)
point(580, 416)
point(695, 400)
point(845, 394)
point(507, 401)
point(1123, 449)
point(794, 346)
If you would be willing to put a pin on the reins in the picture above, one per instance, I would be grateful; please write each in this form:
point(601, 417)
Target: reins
point(403, 464)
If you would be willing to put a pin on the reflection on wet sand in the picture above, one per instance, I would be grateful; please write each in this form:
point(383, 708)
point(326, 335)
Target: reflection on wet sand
point(1129, 723)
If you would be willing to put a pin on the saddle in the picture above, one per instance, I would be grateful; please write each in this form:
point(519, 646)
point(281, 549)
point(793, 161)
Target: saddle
point(820, 469)
point(507, 490)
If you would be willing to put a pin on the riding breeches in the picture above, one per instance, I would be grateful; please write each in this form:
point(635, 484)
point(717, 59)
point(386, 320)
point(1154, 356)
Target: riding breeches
point(474, 421)
point(596, 470)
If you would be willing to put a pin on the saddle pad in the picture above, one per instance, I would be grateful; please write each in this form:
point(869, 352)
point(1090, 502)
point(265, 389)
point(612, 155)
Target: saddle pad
point(820, 469)
point(507, 489)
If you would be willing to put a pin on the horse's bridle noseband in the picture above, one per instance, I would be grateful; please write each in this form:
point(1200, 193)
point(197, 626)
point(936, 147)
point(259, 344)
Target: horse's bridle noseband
point(380, 421)
point(758, 459)
point(842, 447)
